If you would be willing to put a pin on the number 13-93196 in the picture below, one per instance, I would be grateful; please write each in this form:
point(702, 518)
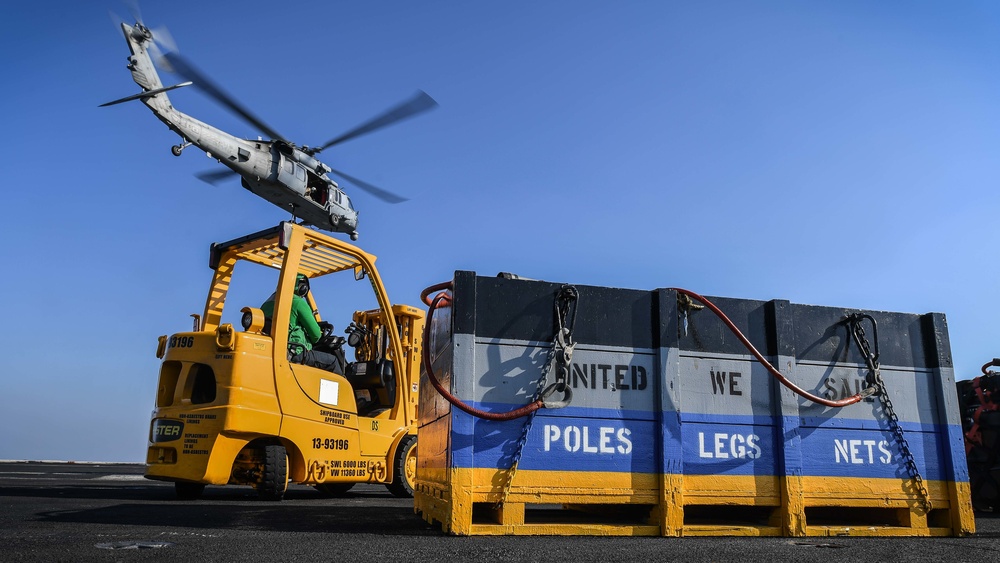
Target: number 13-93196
point(330, 444)
point(181, 342)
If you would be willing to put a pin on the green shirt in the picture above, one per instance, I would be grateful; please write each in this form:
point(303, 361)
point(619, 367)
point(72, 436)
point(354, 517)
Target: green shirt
point(302, 326)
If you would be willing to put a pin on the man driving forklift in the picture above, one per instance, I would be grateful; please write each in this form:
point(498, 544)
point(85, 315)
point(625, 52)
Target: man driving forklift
point(310, 343)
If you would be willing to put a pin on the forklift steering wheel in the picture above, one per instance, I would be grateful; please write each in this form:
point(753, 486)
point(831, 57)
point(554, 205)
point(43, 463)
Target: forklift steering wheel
point(326, 329)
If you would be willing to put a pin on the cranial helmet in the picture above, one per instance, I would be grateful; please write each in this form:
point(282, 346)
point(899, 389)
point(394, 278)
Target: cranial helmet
point(301, 285)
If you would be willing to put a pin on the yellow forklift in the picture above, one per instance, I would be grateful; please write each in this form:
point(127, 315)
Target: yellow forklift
point(231, 408)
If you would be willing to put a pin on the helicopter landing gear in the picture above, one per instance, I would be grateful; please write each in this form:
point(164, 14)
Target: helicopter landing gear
point(176, 149)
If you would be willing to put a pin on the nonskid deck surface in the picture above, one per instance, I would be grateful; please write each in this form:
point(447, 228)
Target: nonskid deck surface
point(63, 512)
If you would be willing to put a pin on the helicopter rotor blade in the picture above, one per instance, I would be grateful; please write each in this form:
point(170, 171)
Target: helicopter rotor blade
point(216, 176)
point(376, 191)
point(419, 103)
point(134, 9)
point(116, 19)
point(163, 36)
point(185, 69)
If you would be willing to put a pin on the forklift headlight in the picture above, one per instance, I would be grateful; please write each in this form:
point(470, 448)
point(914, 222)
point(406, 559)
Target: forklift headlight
point(253, 319)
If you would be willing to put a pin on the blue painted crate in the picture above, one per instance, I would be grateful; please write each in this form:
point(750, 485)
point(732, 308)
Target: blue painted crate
point(674, 428)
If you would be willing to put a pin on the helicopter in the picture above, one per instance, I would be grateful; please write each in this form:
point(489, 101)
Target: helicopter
point(283, 173)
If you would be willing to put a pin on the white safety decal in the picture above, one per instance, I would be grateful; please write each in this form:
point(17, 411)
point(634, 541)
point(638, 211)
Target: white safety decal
point(329, 391)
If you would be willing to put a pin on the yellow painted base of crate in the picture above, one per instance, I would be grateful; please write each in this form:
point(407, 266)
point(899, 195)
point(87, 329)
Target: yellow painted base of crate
point(630, 504)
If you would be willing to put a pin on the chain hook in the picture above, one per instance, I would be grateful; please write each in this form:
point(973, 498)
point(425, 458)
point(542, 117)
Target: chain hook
point(557, 387)
point(858, 331)
point(871, 359)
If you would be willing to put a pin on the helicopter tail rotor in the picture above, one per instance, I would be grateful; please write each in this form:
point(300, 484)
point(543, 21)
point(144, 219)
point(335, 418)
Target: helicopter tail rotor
point(160, 40)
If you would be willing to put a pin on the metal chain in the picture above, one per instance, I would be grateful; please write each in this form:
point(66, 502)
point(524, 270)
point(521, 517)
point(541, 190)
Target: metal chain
point(875, 379)
point(562, 346)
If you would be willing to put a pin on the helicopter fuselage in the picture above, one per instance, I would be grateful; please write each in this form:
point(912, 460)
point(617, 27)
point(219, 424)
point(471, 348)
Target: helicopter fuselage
point(274, 171)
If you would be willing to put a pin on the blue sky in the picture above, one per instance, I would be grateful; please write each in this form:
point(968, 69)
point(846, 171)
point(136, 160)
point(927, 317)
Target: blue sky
point(829, 153)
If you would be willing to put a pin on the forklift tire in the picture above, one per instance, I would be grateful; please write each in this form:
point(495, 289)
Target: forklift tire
point(404, 468)
point(274, 478)
point(334, 489)
point(188, 491)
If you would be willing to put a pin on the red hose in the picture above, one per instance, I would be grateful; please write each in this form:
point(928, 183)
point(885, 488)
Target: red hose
point(426, 353)
point(443, 286)
point(777, 374)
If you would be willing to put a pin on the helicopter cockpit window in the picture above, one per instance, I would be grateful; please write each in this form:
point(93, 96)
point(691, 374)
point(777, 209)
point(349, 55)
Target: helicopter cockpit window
point(300, 172)
point(347, 202)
